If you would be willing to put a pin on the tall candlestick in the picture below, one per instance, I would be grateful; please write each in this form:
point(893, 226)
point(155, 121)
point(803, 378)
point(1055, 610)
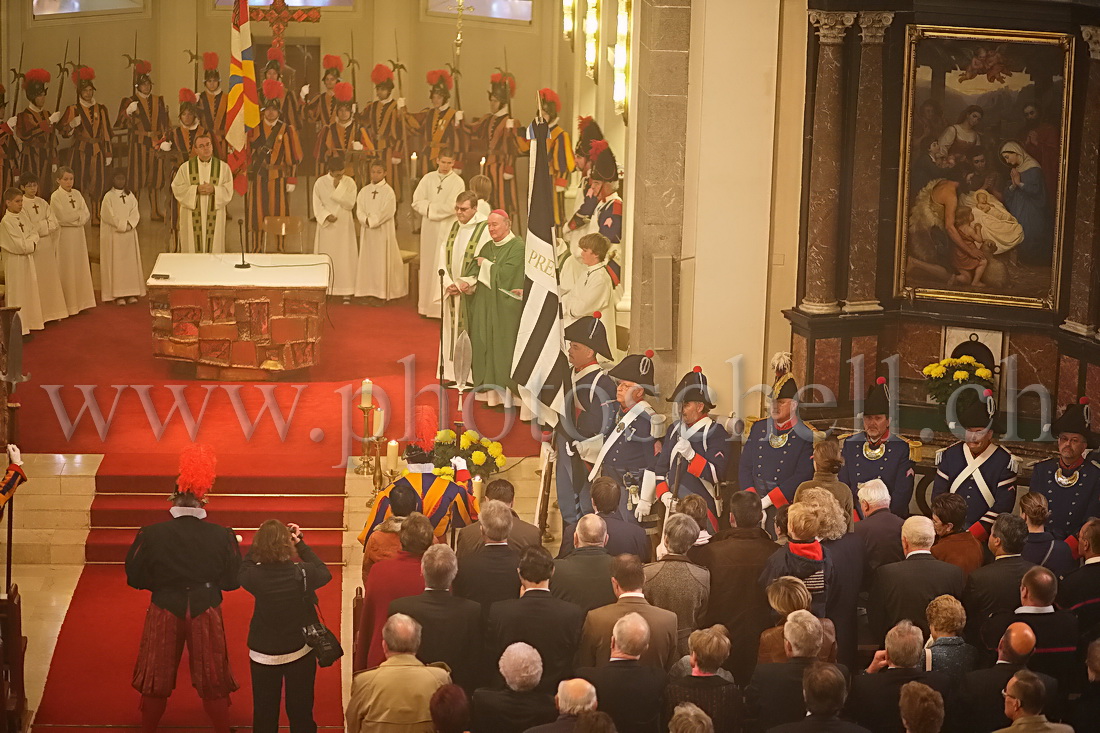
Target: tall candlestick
point(368, 391)
point(391, 456)
point(379, 422)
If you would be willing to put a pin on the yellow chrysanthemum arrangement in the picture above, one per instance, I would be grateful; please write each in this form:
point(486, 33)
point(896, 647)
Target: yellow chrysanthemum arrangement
point(483, 456)
point(944, 377)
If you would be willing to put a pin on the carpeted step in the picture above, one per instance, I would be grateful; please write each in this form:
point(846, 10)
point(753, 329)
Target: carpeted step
point(122, 510)
point(258, 473)
point(111, 545)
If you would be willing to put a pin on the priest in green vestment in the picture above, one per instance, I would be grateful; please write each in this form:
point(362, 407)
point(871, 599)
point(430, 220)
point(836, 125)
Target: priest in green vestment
point(494, 309)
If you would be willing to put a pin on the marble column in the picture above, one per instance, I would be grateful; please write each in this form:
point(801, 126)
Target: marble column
point(1081, 317)
point(824, 210)
point(867, 168)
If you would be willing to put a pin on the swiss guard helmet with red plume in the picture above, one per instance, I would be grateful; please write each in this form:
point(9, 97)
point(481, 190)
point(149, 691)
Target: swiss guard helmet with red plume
point(382, 76)
point(197, 470)
point(210, 66)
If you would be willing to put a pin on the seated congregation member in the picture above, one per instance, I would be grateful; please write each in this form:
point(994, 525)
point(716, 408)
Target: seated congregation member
point(981, 690)
point(627, 580)
point(1086, 708)
point(824, 690)
point(995, 588)
point(628, 690)
point(385, 541)
point(677, 584)
point(1079, 592)
point(396, 695)
point(827, 464)
point(489, 575)
point(903, 590)
point(774, 696)
point(450, 710)
point(623, 536)
point(575, 698)
point(552, 626)
point(277, 649)
point(948, 652)
point(1041, 546)
point(977, 469)
point(522, 535)
point(690, 718)
point(1024, 704)
point(953, 543)
point(880, 528)
point(450, 627)
point(786, 595)
point(735, 559)
point(704, 685)
point(874, 700)
point(1070, 481)
point(583, 577)
point(1055, 631)
point(876, 454)
point(397, 577)
point(520, 705)
point(803, 557)
point(921, 708)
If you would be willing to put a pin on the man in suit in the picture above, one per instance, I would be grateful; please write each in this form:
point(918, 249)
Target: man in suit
point(627, 690)
point(1079, 591)
point(450, 627)
point(627, 579)
point(1055, 631)
point(552, 626)
point(519, 705)
point(874, 700)
point(903, 590)
point(880, 528)
point(676, 583)
point(774, 696)
point(824, 689)
point(523, 534)
point(574, 697)
point(735, 559)
point(981, 689)
point(489, 575)
point(1024, 697)
point(995, 588)
point(623, 536)
point(584, 576)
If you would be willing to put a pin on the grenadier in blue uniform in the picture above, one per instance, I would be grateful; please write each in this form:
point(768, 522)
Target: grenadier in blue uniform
point(876, 452)
point(977, 469)
point(1071, 480)
point(693, 454)
point(590, 409)
point(779, 452)
point(628, 447)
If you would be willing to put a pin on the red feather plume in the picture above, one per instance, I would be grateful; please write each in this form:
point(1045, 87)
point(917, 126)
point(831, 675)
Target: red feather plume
point(549, 95)
point(273, 89)
point(381, 73)
point(426, 422)
point(437, 75)
point(583, 122)
point(36, 75)
point(142, 66)
point(275, 54)
point(332, 61)
point(84, 73)
point(344, 92)
point(197, 471)
point(498, 77)
point(187, 96)
point(209, 61)
point(596, 147)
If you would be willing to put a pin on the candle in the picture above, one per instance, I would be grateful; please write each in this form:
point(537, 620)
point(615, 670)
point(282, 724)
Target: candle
point(413, 158)
point(379, 422)
point(483, 165)
point(368, 390)
point(391, 456)
point(479, 489)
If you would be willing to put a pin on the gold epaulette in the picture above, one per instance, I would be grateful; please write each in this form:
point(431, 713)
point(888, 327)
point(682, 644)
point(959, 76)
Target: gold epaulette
point(818, 435)
point(844, 436)
point(916, 450)
point(749, 422)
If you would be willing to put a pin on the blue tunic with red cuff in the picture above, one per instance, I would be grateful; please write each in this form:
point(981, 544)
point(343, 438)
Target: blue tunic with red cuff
point(998, 471)
point(887, 459)
point(1072, 494)
point(701, 475)
point(776, 459)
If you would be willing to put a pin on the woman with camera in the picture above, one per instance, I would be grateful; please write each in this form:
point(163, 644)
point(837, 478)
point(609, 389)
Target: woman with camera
point(283, 573)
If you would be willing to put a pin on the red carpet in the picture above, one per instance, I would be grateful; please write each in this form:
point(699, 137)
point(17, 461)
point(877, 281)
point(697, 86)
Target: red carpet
point(104, 624)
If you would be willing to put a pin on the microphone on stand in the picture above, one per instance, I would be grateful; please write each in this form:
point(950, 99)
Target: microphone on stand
point(240, 228)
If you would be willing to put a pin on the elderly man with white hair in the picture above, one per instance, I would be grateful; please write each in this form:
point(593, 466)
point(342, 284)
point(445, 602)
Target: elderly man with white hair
point(490, 574)
point(519, 706)
point(629, 691)
point(574, 697)
point(903, 590)
point(880, 528)
point(677, 584)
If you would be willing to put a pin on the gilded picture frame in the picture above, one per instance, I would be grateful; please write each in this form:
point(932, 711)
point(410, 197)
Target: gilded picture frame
point(982, 174)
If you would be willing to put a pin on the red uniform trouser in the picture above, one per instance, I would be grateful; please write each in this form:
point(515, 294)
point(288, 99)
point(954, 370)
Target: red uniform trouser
point(161, 649)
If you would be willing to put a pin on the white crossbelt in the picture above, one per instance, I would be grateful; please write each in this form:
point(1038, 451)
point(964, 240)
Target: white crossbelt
point(616, 433)
point(972, 466)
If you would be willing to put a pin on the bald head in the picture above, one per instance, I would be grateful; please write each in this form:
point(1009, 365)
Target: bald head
point(630, 637)
point(575, 696)
point(1038, 587)
point(1016, 644)
point(591, 531)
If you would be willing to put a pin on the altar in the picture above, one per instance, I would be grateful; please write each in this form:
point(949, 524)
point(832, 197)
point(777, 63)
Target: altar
point(240, 324)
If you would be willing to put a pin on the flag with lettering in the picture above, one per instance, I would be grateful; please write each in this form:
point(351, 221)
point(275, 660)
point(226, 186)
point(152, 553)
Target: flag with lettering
point(243, 106)
point(539, 363)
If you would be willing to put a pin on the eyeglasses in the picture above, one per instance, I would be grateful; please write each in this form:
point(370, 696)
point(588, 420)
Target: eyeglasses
point(1004, 693)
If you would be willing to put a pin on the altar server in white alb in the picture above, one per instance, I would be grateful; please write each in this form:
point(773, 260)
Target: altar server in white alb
point(458, 248)
point(381, 273)
point(203, 186)
point(18, 240)
point(38, 211)
point(334, 206)
point(121, 278)
point(434, 200)
point(72, 214)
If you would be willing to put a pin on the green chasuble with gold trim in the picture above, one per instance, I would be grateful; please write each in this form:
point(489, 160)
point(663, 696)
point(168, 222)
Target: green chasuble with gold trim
point(494, 313)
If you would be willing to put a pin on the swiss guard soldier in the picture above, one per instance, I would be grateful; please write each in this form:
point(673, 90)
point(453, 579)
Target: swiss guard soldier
point(876, 453)
point(290, 110)
point(34, 128)
point(384, 121)
point(497, 131)
point(693, 455)
point(779, 451)
point(1071, 481)
point(213, 103)
point(438, 125)
point(345, 137)
point(146, 116)
point(590, 408)
point(977, 469)
point(559, 151)
point(627, 448)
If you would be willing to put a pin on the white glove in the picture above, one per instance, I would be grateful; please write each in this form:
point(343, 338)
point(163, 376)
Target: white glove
point(642, 509)
point(765, 502)
point(459, 116)
point(290, 188)
point(763, 520)
point(509, 176)
point(304, 92)
point(510, 123)
point(559, 189)
point(683, 448)
point(356, 145)
point(12, 121)
point(666, 499)
point(14, 455)
point(75, 122)
point(166, 146)
point(400, 102)
point(132, 107)
point(108, 161)
point(55, 117)
point(354, 109)
point(395, 161)
point(54, 168)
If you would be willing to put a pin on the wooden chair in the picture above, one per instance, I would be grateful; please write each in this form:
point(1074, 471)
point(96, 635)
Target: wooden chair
point(277, 229)
point(412, 259)
point(14, 655)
